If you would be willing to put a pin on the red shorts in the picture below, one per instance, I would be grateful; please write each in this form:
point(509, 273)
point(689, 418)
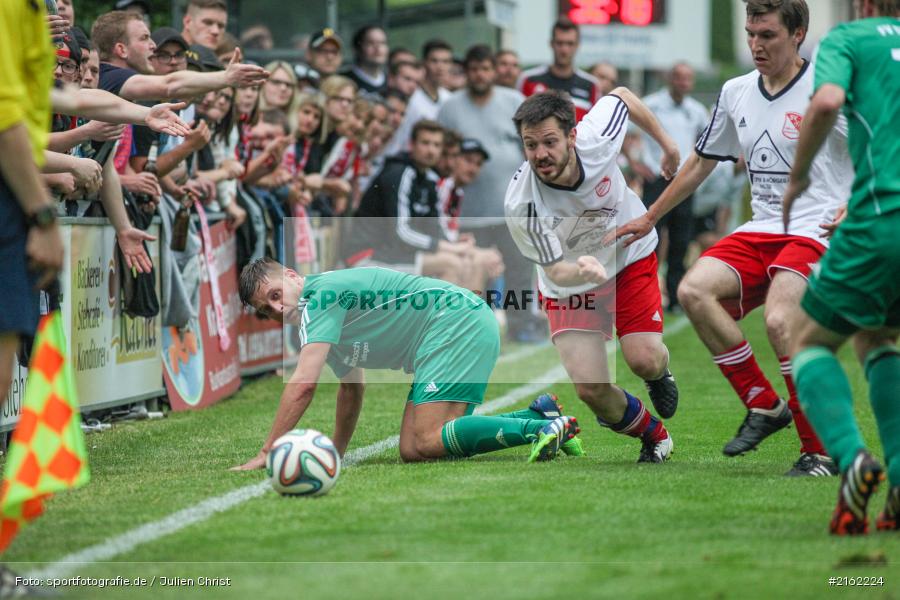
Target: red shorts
point(755, 256)
point(632, 301)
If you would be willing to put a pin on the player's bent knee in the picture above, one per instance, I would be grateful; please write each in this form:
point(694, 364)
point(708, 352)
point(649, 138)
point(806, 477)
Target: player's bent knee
point(647, 365)
point(593, 392)
point(690, 293)
point(428, 445)
point(777, 324)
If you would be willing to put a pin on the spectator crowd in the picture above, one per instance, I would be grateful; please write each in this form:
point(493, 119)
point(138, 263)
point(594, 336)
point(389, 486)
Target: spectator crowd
point(418, 148)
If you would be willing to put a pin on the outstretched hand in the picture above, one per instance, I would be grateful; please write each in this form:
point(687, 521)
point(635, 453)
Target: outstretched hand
point(131, 243)
point(164, 119)
point(257, 462)
point(636, 228)
point(241, 75)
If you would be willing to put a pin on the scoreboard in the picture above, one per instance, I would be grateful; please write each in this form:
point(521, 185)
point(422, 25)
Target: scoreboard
point(634, 34)
point(637, 13)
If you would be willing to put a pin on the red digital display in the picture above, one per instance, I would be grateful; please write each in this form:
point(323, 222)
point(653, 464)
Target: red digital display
point(638, 13)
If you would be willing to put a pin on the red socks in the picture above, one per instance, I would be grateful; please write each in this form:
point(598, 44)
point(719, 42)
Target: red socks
point(738, 365)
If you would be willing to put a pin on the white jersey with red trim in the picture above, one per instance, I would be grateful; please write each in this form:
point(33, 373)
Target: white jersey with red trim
point(550, 223)
point(764, 128)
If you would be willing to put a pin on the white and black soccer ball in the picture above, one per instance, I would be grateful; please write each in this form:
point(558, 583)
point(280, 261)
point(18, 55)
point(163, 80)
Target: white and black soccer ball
point(303, 462)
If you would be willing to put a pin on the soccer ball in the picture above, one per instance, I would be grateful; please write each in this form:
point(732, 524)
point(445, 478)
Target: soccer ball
point(303, 462)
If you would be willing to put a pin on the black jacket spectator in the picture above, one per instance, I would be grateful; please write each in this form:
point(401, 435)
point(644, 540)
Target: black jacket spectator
point(398, 215)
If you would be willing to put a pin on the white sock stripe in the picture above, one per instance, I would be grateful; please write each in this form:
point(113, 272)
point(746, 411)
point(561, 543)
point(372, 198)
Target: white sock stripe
point(637, 421)
point(734, 359)
point(743, 348)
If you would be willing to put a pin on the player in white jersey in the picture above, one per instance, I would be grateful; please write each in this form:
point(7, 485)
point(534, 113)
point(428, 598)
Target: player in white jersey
point(559, 206)
point(758, 115)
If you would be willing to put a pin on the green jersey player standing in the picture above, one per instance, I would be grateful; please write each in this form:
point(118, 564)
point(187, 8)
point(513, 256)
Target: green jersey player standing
point(374, 318)
point(855, 289)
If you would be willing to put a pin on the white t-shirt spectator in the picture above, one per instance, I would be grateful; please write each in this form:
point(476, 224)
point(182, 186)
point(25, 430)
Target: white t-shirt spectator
point(492, 125)
point(683, 121)
point(420, 107)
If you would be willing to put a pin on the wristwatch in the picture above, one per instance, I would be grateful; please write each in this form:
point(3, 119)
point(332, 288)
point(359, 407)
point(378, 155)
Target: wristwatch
point(42, 218)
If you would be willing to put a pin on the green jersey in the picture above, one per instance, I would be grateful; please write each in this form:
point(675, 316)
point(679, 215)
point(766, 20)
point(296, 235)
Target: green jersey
point(863, 58)
point(378, 318)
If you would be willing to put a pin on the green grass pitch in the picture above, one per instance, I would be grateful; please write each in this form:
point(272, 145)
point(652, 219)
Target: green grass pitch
point(700, 526)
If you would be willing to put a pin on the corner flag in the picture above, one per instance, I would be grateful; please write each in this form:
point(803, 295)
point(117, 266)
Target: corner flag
point(47, 453)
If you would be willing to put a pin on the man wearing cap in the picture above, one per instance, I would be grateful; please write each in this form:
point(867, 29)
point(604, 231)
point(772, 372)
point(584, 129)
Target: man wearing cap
point(204, 22)
point(324, 52)
point(464, 169)
point(484, 111)
point(172, 55)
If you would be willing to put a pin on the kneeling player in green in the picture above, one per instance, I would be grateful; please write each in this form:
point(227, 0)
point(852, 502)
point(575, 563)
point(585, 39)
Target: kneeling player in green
point(374, 318)
point(855, 290)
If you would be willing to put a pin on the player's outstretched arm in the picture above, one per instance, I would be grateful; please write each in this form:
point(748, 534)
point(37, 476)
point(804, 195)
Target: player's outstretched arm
point(295, 399)
point(349, 405)
point(109, 108)
point(818, 122)
point(185, 84)
point(644, 118)
point(689, 177)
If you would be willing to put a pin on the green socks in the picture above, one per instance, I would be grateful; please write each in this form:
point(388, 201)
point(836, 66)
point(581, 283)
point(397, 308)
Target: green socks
point(883, 372)
point(827, 401)
point(476, 434)
point(525, 413)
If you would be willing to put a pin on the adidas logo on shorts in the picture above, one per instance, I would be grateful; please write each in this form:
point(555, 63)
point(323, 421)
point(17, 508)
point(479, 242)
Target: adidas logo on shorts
point(431, 388)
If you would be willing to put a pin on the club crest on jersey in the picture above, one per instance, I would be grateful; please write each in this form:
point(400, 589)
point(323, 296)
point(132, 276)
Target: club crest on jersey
point(791, 128)
point(602, 188)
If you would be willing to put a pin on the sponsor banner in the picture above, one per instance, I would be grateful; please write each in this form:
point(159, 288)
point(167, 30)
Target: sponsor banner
point(106, 347)
point(197, 371)
point(259, 342)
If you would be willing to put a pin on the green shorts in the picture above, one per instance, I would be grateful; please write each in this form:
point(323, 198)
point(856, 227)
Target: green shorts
point(856, 285)
point(456, 357)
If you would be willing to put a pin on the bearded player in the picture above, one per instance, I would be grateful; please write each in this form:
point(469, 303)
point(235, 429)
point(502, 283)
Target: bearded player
point(560, 205)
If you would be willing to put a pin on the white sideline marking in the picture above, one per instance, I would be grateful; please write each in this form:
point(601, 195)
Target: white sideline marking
point(128, 541)
point(522, 353)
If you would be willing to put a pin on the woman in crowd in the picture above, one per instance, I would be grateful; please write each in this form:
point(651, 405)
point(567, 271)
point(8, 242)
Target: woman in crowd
point(302, 160)
point(219, 163)
point(341, 150)
point(280, 91)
